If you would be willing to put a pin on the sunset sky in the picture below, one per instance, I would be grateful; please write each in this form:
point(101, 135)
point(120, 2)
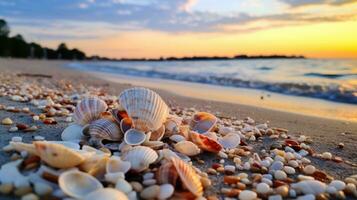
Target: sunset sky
point(154, 28)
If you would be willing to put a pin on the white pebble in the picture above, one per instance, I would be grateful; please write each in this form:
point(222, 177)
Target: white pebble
point(247, 195)
point(148, 175)
point(293, 163)
point(289, 170)
point(42, 189)
point(230, 168)
point(309, 169)
point(123, 185)
point(16, 139)
point(275, 197)
point(36, 118)
point(263, 188)
point(306, 197)
point(39, 138)
point(13, 129)
point(327, 155)
point(280, 175)
point(166, 191)
point(339, 185)
point(149, 182)
point(68, 119)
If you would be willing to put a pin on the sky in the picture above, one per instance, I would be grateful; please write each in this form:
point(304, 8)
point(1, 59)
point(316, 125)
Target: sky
point(154, 28)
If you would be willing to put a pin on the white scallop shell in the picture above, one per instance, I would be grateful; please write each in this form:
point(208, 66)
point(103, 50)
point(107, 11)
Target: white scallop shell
point(140, 157)
point(105, 129)
point(107, 194)
point(145, 107)
point(115, 164)
point(88, 110)
point(188, 148)
point(230, 141)
point(134, 137)
point(78, 184)
point(73, 132)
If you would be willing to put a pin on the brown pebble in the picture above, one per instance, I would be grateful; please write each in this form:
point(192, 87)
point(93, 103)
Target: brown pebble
point(211, 171)
point(212, 197)
point(6, 188)
point(21, 126)
point(231, 179)
point(341, 145)
point(21, 191)
point(231, 192)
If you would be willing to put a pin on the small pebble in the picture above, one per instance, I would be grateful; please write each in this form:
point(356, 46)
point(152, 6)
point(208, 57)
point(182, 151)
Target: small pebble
point(7, 121)
point(16, 139)
point(166, 191)
point(280, 175)
point(36, 118)
point(247, 195)
point(275, 197)
point(341, 145)
point(13, 129)
point(6, 188)
point(289, 170)
point(123, 185)
point(30, 197)
point(149, 182)
point(327, 155)
point(309, 169)
point(150, 192)
point(339, 185)
point(263, 188)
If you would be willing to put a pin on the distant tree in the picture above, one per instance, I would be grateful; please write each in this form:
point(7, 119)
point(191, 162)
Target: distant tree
point(4, 28)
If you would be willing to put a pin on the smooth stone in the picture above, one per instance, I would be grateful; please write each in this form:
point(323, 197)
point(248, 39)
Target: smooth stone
point(30, 197)
point(339, 185)
point(42, 189)
point(293, 163)
point(166, 191)
point(275, 197)
point(331, 190)
point(265, 163)
point(307, 197)
point(263, 188)
point(310, 187)
point(289, 170)
point(150, 192)
point(327, 155)
point(247, 195)
point(280, 175)
point(123, 186)
point(277, 165)
point(309, 169)
point(148, 175)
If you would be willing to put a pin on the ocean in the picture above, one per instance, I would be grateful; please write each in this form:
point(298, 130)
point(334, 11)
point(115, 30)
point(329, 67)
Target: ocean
point(329, 79)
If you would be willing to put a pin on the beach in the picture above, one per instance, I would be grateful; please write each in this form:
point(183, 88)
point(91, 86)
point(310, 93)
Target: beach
point(325, 133)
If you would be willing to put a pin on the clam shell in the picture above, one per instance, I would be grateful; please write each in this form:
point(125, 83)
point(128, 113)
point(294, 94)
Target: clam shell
point(73, 132)
point(205, 143)
point(126, 124)
point(203, 122)
point(230, 141)
point(172, 124)
point(88, 110)
point(134, 137)
point(78, 184)
point(158, 134)
point(167, 174)
point(145, 108)
point(188, 148)
point(115, 164)
point(140, 157)
point(107, 194)
point(188, 176)
point(57, 155)
point(105, 129)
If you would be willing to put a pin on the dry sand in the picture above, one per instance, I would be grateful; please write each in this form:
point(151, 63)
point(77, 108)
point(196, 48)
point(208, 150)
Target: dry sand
point(326, 133)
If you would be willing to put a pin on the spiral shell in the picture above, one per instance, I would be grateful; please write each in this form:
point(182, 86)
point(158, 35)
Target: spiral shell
point(145, 108)
point(88, 110)
point(188, 176)
point(57, 155)
point(205, 143)
point(105, 129)
point(78, 184)
point(140, 157)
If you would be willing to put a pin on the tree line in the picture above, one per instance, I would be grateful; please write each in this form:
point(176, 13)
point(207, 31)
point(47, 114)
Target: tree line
point(17, 47)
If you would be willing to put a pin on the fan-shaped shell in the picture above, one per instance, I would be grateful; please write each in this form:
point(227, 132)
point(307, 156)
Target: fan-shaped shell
point(188, 148)
point(203, 122)
point(140, 157)
point(167, 174)
point(88, 110)
point(73, 132)
point(205, 143)
point(134, 137)
point(115, 164)
point(105, 129)
point(107, 194)
point(78, 184)
point(188, 176)
point(57, 155)
point(230, 141)
point(145, 108)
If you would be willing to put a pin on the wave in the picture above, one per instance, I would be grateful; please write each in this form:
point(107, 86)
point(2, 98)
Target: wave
point(331, 76)
point(332, 92)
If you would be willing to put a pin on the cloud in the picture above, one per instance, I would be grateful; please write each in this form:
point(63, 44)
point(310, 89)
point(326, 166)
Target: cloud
point(186, 6)
point(83, 5)
point(296, 3)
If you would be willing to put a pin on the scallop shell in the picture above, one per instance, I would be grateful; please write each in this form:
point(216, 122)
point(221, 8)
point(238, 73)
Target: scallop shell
point(57, 155)
point(95, 165)
point(20, 146)
point(230, 141)
point(167, 174)
point(158, 134)
point(88, 110)
point(188, 148)
point(203, 122)
point(105, 129)
point(205, 143)
point(115, 164)
point(107, 194)
point(188, 176)
point(140, 157)
point(134, 137)
point(146, 108)
point(73, 132)
point(126, 124)
point(77, 184)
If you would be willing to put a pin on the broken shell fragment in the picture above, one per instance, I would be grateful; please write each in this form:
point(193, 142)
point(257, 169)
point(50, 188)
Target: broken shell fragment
point(134, 137)
point(230, 141)
point(205, 143)
point(203, 122)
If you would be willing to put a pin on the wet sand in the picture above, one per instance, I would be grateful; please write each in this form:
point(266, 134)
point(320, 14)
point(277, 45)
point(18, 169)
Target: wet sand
point(325, 133)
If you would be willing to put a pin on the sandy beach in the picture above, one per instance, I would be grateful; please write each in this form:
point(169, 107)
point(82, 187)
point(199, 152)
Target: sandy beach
point(325, 133)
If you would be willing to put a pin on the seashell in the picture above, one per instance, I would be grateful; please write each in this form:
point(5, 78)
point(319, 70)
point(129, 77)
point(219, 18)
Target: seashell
point(134, 137)
point(20, 146)
point(119, 115)
point(73, 132)
point(113, 177)
point(172, 124)
point(77, 184)
point(68, 144)
point(140, 157)
point(203, 122)
point(9, 173)
point(177, 138)
point(88, 110)
point(94, 150)
point(57, 155)
point(188, 176)
point(105, 129)
point(95, 165)
point(230, 141)
point(310, 187)
point(126, 124)
point(211, 135)
point(167, 174)
point(123, 185)
point(205, 143)
point(145, 108)
point(152, 144)
point(115, 164)
point(107, 194)
point(158, 134)
point(188, 148)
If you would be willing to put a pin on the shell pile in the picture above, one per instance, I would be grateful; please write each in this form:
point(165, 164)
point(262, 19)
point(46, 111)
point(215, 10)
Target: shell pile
point(136, 147)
